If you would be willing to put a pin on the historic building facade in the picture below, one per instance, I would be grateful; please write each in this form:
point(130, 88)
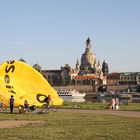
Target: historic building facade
point(113, 78)
point(123, 78)
point(130, 78)
point(88, 71)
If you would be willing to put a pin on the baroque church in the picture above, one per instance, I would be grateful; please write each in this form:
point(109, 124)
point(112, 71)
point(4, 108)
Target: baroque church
point(88, 71)
point(88, 65)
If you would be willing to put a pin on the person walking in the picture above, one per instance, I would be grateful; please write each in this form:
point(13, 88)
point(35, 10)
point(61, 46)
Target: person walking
point(11, 102)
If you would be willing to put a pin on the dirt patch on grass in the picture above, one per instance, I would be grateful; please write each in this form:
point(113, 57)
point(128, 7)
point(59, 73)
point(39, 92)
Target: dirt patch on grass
point(15, 123)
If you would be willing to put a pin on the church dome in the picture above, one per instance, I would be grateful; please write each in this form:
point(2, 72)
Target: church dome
point(88, 58)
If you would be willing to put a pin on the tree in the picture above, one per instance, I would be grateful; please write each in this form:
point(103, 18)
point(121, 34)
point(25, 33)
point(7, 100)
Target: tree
point(37, 67)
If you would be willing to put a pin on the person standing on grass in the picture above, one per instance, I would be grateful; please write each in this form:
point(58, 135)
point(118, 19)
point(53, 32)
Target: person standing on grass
point(11, 102)
point(113, 103)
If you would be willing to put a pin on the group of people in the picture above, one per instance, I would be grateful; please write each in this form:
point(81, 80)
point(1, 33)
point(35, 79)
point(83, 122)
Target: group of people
point(25, 108)
point(114, 104)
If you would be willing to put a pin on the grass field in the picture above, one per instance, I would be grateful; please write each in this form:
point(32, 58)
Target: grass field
point(72, 126)
point(102, 106)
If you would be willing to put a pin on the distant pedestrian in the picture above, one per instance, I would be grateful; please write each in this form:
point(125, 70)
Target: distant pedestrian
point(11, 102)
point(116, 103)
point(113, 103)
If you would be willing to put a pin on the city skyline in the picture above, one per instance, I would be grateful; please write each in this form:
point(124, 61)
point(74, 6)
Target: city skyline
point(53, 33)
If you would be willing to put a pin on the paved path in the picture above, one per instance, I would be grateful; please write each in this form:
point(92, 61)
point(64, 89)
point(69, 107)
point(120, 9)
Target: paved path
point(135, 114)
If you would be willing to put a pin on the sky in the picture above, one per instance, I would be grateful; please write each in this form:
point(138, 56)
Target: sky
point(53, 33)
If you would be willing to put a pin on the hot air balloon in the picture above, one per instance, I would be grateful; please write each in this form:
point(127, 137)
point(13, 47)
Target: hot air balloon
point(24, 83)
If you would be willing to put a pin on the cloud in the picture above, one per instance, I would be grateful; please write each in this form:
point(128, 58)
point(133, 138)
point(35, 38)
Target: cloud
point(20, 43)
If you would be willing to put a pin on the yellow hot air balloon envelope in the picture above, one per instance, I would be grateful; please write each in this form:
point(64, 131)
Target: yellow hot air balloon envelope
point(24, 83)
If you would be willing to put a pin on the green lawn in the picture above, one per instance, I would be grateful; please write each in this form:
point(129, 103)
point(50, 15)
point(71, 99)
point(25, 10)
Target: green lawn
point(102, 106)
point(72, 126)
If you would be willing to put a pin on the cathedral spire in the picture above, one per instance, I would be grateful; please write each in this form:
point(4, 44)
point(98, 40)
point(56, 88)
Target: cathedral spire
point(77, 64)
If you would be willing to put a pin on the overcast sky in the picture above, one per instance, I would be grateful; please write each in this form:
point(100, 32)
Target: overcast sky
point(53, 33)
